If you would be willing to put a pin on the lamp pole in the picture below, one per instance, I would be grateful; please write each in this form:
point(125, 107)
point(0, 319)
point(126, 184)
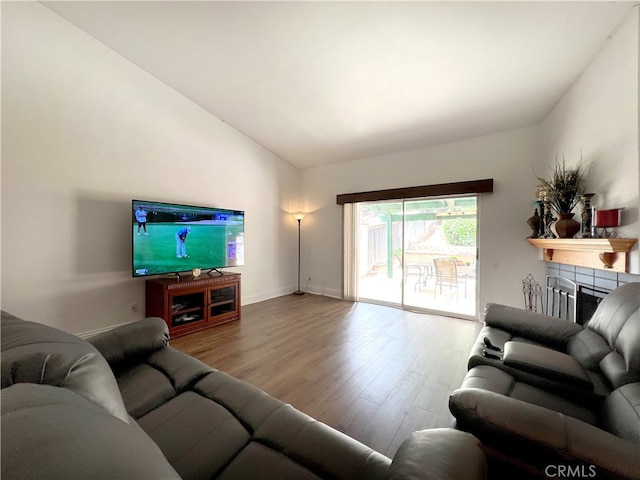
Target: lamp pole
point(299, 217)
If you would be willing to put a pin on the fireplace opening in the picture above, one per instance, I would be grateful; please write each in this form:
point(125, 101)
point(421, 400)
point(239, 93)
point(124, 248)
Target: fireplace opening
point(587, 302)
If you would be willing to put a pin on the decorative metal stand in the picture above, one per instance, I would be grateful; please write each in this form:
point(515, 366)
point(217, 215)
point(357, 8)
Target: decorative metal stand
point(532, 292)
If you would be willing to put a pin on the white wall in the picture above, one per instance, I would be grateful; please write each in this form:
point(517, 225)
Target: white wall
point(598, 116)
point(598, 119)
point(505, 257)
point(83, 132)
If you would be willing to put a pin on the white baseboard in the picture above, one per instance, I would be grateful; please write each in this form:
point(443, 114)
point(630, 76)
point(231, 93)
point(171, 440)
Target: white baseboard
point(312, 289)
point(325, 292)
point(91, 333)
point(260, 297)
point(266, 295)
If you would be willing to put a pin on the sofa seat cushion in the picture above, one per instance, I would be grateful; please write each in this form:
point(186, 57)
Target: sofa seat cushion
point(498, 381)
point(199, 437)
point(214, 427)
point(305, 441)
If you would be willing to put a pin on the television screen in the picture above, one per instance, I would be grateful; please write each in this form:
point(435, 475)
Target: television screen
point(172, 238)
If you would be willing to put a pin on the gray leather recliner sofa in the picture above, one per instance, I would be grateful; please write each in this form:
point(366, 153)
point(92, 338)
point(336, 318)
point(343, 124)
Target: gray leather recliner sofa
point(129, 406)
point(550, 398)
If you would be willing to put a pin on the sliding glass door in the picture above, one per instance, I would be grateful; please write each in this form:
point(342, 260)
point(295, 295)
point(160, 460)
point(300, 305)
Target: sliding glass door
point(418, 253)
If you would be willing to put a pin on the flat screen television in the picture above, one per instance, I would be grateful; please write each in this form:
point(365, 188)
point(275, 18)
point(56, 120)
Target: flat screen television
point(173, 238)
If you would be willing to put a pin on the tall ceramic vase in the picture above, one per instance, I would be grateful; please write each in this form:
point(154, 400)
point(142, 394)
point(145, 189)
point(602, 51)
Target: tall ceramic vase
point(565, 226)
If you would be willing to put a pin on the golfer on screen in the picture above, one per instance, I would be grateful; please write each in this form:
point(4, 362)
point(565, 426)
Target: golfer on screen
point(181, 238)
point(141, 218)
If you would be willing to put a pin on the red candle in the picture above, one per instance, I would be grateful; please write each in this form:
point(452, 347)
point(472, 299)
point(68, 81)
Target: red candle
point(607, 218)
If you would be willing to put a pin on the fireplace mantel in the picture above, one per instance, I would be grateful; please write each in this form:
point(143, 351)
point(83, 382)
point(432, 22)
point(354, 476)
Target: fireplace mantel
point(599, 253)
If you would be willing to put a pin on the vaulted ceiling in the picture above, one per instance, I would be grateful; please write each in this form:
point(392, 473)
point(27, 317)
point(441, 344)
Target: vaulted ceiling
point(323, 82)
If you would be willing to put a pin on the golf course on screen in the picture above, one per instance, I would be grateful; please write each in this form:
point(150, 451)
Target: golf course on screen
point(206, 247)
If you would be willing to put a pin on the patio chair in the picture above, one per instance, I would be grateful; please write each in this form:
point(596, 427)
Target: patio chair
point(447, 275)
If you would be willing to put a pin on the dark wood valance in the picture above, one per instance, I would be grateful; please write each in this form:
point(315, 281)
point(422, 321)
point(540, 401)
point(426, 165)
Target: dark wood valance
point(455, 188)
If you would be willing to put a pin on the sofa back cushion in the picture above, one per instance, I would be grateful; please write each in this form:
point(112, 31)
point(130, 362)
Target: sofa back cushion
point(621, 414)
point(617, 320)
point(36, 353)
point(589, 348)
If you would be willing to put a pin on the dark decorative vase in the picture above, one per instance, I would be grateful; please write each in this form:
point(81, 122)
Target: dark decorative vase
point(565, 226)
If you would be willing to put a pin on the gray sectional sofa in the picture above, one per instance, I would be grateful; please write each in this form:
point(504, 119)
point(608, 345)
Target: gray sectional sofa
point(551, 398)
point(126, 405)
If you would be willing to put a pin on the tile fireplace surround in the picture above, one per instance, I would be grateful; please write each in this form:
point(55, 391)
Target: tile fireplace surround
point(590, 277)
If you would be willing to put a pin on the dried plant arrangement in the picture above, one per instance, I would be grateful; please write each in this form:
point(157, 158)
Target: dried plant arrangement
point(563, 189)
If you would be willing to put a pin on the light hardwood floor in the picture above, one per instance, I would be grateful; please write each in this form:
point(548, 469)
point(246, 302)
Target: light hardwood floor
point(373, 372)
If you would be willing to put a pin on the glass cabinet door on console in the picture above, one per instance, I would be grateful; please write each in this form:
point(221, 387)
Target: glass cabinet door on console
point(222, 300)
point(192, 304)
point(187, 308)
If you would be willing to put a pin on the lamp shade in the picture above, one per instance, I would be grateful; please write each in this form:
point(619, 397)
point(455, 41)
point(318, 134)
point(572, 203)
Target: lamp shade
point(607, 218)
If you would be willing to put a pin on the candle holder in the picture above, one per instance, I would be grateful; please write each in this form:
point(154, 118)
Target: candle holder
point(586, 218)
point(548, 220)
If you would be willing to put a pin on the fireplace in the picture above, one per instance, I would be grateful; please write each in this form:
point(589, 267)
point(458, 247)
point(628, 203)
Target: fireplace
point(591, 286)
point(571, 301)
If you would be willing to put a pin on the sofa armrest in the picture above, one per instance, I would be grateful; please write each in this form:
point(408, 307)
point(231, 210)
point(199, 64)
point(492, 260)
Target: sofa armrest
point(531, 325)
point(441, 453)
point(541, 437)
point(546, 363)
point(132, 341)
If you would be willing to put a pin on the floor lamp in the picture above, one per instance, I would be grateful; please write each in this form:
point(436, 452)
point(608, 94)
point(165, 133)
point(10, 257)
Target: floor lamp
point(298, 216)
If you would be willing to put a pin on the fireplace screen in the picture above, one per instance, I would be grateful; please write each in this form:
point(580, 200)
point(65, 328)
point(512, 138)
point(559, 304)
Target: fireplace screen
point(561, 298)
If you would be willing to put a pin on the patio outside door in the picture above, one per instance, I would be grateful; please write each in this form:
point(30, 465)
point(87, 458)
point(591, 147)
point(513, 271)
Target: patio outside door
point(419, 254)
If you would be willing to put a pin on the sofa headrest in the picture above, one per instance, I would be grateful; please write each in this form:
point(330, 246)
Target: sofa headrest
point(132, 341)
point(617, 319)
point(53, 433)
point(36, 353)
